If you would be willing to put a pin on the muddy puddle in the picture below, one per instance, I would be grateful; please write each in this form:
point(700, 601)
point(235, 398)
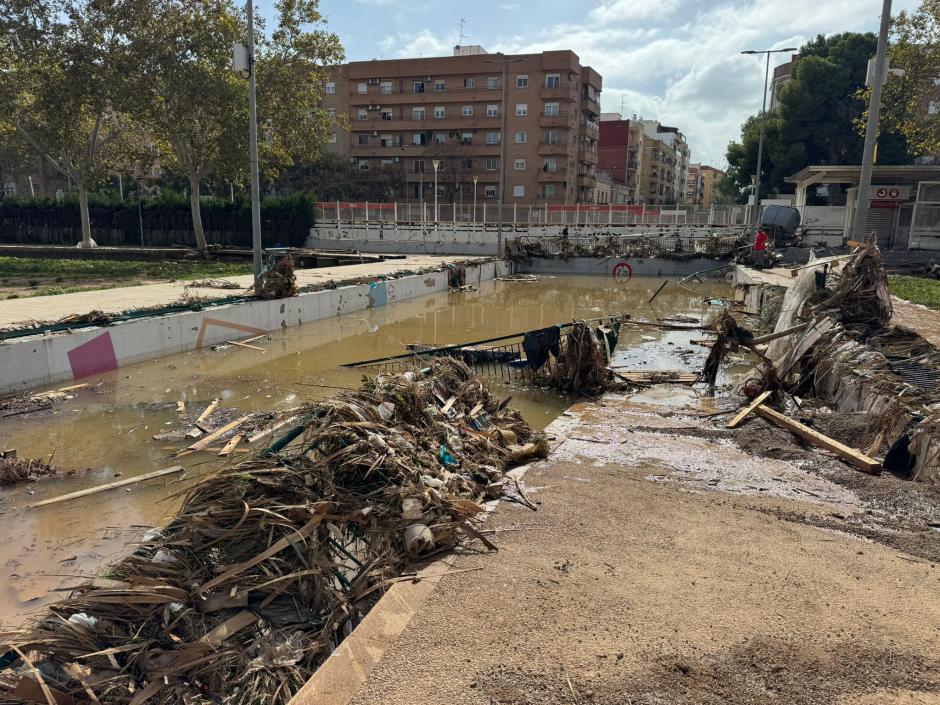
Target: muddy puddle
point(109, 428)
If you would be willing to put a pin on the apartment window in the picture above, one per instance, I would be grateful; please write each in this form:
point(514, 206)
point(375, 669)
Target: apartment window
point(520, 137)
point(385, 88)
point(419, 166)
point(550, 165)
point(553, 80)
point(548, 191)
point(333, 138)
point(417, 113)
point(467, 163)
point(389, 141)
point(518, 191)
point(522, 81)
point(418, 138)
point(551, 137)
point(519, 165)
point(467, 111)
point(440, 137)
point(466, 138)
point(522, 109)
point(469, 83)
point(492, 111)
point(490, 164)
point(493, 82)
point(387, 162)
point(363, 165)
point(492, 137)
point(362, 114)
point(552, 109)
point(387, 115)
point(489, 191)
point(439, 85)
point(330, 87)
point(362, 138)
point(362, 87)
point(439, 111)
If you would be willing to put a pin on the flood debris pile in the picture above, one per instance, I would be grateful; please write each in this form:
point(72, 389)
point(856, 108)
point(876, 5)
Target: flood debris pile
point(581, 361)
point(271, 563)
point(28, 403)
point(674, 245)
point(15, 470)
point(280, 282)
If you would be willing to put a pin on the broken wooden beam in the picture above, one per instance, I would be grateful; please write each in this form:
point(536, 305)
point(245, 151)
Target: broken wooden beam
point(208, 412)
point(779, 334)
point(244, 345)
point(748, 410)
point(200, 444)
point(109, 486)
point(852, 456)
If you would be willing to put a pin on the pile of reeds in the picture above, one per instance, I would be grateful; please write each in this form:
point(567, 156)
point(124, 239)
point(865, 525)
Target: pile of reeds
point(271, 563)
point(861, 298)
point(280, 282)
point(15, 470)
point(581, 365)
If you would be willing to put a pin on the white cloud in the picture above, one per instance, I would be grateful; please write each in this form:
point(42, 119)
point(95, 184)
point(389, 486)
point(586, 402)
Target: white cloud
point(409, 44)
point(632, 10)
point(509, 6)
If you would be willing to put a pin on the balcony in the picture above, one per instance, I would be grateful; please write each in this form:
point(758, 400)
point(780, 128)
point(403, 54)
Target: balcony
point(559, 147)
point(566, 90)
point(588, 156)
point(562, 118)
point(592, 130)
point(557, 176)
point(587, 180)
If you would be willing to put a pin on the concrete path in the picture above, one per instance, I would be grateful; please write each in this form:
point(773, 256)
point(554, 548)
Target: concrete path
point(924, 320)
point(667, 567)
point(52, 308)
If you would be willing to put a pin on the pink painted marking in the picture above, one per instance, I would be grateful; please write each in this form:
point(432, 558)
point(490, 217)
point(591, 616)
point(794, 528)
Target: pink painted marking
point(97, 355)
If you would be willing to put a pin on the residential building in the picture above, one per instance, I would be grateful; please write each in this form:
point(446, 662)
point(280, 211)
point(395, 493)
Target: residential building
point(710, 178)
point(782, 75)
point(695, 186)
point(675, 150)
point(619, 153)
point(410, 113)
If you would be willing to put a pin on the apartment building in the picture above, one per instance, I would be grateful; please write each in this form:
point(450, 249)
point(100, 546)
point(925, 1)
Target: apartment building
point(411, 113)
point(695, 185)
point(664, 170)
point(619, 154)
point(710, 178)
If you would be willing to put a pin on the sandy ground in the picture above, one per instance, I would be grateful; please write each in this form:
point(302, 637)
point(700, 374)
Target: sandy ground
point(922, 319)
point(666, 564)
point(52, 308)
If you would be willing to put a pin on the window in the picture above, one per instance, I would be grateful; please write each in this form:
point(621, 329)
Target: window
point(417, 86)
point(466, 138)
point(520, 138)
point(440, 137)
point(493, 82)
point(550, 165)
point(333, 138)
point(522, 109)
point(364, 165)
point(552, 109)
point(362, 87)
point(385, 88)
point(331, 86)
point(439, 85)
point(419, 138)
point(489, 164)
point(518, 191)
point(553, 80)
point(551, 137)
point(548, 190)
point(331, 112)
point(389, 141)
point(489, 191)
point(469, 83)
point(522, 81)
point(419, 166)
point(467, 111)
point(387, 115)
point(362, 114)
point(362, 138)
point(467, 163)
point(439, 111)
point(492, 137)
point(417, 113)
point(519, 165)
point(492, 111)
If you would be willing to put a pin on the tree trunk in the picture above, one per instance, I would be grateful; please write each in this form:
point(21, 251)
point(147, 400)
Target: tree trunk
point(196, 209)
point(86, 242)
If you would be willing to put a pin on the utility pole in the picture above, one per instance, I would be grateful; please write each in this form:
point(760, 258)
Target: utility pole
point(253, 158)
point(763, 126)
point(871, 129)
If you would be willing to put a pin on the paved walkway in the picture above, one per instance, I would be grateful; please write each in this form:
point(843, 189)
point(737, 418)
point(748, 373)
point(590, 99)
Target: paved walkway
point(52, 308)
point(662, 566)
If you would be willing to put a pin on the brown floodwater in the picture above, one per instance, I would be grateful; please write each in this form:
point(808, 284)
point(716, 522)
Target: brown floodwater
point(109, 428)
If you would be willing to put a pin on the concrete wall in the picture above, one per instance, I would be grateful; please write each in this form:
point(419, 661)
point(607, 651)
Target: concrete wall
point(620, 268)
point(46, 359)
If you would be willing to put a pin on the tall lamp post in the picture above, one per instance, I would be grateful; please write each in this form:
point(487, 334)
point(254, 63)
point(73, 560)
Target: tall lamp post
point(763, 122)
point(253, 159)
point(475, 179)
point(436, 163)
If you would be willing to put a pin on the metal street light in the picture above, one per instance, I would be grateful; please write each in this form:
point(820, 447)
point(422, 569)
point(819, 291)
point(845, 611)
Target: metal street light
point(763, 121)
point(475, 179)
point(435, 163)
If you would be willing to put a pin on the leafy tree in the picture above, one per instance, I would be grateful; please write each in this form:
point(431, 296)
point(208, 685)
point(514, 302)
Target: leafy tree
point(334, 178)
point(196, 106)
point(61, 83)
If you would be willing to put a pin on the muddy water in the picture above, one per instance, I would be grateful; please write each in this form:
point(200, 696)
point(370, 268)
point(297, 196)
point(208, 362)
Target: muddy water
point(109, 429)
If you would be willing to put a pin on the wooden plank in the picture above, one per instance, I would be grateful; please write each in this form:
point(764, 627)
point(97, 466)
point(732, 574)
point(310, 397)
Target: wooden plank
point(208, 412)
point(746, 411)
point(244, 345)
point(850, 455)
point(181, 407)
point(230, 446)
point(795, 271)
point(229, 627)
point(254, 438)
point(73, 388)
point(780, 334)
point(109, 486)
point(200, 444)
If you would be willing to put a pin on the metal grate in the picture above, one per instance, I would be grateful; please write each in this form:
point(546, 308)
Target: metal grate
point(918, 375)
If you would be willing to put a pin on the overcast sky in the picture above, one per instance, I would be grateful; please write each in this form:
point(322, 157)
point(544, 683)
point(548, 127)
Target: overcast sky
point(676, 61)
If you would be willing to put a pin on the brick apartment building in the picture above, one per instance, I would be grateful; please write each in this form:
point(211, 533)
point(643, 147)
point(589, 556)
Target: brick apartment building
point(618, 154)
point(407, 113)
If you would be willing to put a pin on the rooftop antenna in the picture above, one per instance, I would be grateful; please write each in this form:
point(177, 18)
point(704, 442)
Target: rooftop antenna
point(622, 98)
point(462, 36)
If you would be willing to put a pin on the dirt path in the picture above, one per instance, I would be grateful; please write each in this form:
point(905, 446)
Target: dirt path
point(667, 566)
point(924, 320)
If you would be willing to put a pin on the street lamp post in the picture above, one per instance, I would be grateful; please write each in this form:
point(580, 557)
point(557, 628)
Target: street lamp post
point(436, 163)
point(253, 158)
point(763, 122)
point(475, 179)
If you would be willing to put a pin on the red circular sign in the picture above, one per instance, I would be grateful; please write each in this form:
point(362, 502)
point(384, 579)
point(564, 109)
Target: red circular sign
point(623, 272)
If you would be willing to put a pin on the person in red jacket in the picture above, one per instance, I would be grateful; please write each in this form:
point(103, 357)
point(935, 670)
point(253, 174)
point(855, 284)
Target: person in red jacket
point(760, 248)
